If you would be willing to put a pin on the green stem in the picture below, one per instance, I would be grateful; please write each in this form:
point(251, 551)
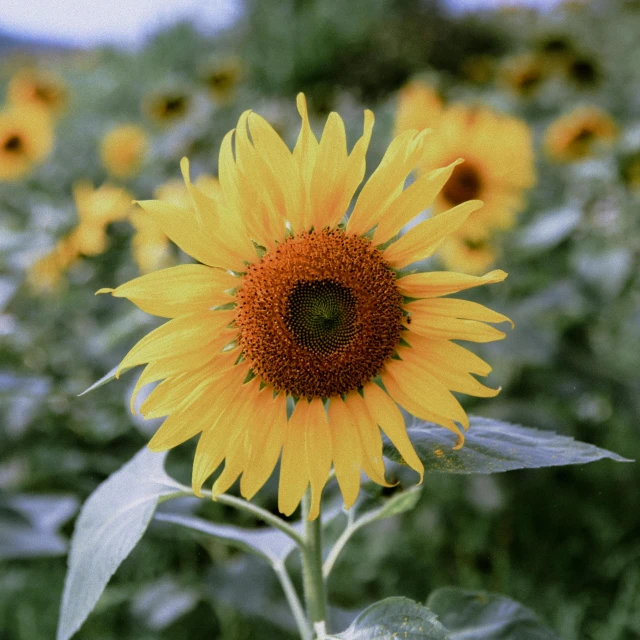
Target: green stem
point(294, 602)
point(254, 510)
point(313, 580)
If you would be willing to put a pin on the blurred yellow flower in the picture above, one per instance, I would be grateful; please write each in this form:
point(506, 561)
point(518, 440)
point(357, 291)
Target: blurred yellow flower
point(419, 107)
point(123, 150)
point(26, 138)
point(294, 308)
point(166, 107)
point(222, 78)
point(479, 69)
point(583, 71)
point(39, 89)
point(498, 163)
point(46, 273)
point(97, 208)
point(523, 74)
point(579, 134)
point(468, 255)
point(150, 246)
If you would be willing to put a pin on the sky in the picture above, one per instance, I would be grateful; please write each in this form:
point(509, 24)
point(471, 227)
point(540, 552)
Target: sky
point(127, 22)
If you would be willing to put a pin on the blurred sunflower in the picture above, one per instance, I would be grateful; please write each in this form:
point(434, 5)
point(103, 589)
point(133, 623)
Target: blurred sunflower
point(222, 78)
point(123, 150)
point(26, 138)
point(166, 107)
point(584, 72)
point(281, 340)
point(468, 254)
point(579, 134)
point(150, 246)
point(479, 69)
point(46, 273)
point(523, 74)
point(629, 165)
point(97, 208)
point(38, 89)
point(419, 107)
point(498, 163)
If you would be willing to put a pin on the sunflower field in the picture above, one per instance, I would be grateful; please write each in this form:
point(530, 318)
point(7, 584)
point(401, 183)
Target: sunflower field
point(327, 221)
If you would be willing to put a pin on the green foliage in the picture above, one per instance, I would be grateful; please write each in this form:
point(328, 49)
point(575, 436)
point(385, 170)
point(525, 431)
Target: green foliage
point(492, 446)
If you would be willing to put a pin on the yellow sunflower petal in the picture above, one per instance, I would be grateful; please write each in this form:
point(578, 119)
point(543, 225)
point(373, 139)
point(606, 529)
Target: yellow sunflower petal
point(426, 394)
point(387, 181)
point(416, 198)
point(266, 448)
point(451, 307)
point(386, 413)
point(370, 438)
point(433, 284)
point(450, 377)
point(454, 329)
point(185, 334)
point(347, 452)
point(176, 291)
point(423, 240)
point(304, 153)
point(294, 474)
point(318, 452)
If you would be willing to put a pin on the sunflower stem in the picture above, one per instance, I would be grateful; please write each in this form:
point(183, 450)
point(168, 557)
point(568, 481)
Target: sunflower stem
point(302, 623)
point(315, 592)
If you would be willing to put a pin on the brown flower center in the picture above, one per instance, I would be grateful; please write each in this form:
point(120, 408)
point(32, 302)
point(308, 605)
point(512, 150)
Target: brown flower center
point(174, 105)
point(464, 184)
point(319, 315)
point(13, 144)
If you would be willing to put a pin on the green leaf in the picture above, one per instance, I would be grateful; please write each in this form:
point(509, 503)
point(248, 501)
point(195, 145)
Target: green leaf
point(269, 544)
point(398, 503)
point(107, 377)
point(29, 525)
point(395, 618)
point(492, 446)
point(110, 524)
point(476, 615)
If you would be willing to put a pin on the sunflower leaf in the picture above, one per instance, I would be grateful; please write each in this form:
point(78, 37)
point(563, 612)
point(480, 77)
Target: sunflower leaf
point(269, 544)
point(395, 617)
point(107, 377)
point(492, 446)
point(110, 524)
point(477, 615)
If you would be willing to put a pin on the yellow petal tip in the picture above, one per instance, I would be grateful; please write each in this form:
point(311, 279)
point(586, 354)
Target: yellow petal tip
point(103, 290)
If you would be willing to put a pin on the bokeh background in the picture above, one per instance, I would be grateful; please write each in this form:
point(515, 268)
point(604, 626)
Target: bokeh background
point(170, 79)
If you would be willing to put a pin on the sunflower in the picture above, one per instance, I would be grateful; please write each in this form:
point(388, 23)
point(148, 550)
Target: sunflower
point(298, 335)
point(46, 273)
point(468, 254)
point(97, 208)
point(579, 134)
point(26, 138)
point(166, 107)
point(498, 163)
point(123, 150)
point(524, 74)
point(419, 107)
point(38, 89)
point(221, 79)
point(583, 71)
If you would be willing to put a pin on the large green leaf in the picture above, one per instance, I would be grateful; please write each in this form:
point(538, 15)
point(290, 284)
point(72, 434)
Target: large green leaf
point(395, 618)
point(110, 524)
point(492, 446)
point(270, 544)
point(476, 615)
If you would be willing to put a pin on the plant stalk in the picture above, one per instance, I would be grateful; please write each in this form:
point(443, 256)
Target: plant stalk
point(315, 592)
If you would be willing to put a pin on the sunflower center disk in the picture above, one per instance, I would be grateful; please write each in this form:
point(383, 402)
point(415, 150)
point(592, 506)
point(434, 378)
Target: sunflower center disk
point(464, 184)
point(319, 315)
point(13, 144)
